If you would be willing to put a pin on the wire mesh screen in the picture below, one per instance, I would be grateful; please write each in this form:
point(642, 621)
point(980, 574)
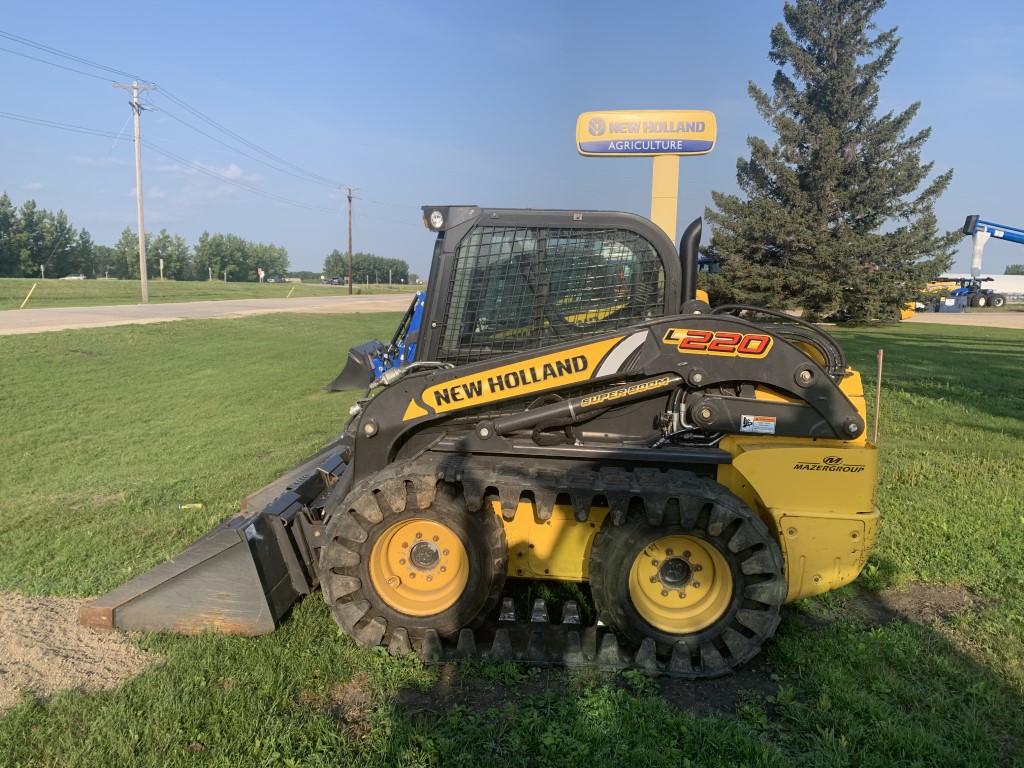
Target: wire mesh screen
point(521, 288)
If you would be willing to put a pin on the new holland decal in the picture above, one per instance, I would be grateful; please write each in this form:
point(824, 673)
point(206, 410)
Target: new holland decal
point(536, 374)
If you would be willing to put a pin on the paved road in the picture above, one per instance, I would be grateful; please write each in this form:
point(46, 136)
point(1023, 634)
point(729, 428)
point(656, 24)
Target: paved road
point(986, 319)
point(39, 320)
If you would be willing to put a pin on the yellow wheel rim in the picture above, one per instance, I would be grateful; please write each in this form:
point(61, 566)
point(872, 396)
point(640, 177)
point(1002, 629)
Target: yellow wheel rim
point(419, 567)
point(680, 584)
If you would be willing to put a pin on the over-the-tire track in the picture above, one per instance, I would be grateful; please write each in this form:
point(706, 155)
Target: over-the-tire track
point(648, 499)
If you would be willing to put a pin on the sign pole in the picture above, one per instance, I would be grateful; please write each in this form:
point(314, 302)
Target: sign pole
point(665, 193)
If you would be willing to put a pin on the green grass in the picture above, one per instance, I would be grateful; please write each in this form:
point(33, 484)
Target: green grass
point(107, 430)
point(90, 293)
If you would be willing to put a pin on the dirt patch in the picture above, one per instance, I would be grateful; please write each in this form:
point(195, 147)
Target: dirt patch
point(43, 649)
point(930, 603)
point(919, 603)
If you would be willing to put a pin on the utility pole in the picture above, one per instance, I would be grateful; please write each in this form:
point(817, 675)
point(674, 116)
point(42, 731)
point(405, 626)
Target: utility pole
point(348, 191)
point(137, 110)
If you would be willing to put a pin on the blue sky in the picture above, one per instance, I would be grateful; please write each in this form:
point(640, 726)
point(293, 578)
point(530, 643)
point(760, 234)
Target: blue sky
point(434, 103)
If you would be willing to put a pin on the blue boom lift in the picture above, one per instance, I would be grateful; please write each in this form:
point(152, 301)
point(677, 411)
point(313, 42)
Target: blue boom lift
point(981, 231)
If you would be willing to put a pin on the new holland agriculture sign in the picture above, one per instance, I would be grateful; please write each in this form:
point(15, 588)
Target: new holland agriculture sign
point(646, 132)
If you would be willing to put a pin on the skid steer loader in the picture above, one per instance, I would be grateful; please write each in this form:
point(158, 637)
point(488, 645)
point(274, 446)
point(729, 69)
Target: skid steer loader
point(566, 409)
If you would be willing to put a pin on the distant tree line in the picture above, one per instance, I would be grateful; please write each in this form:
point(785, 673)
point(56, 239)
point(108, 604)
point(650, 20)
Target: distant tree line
point(366, 268)
point(34, 241)
point(31, 236)
point(214, 256)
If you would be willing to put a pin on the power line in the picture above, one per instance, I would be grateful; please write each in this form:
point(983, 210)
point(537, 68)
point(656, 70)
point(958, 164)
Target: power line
point(63, 54)
point(245, 154)
point(297, 171)
point(54, 64)
point(61, 126)
point(246, 142)
point(227, 180)
point(169, 155)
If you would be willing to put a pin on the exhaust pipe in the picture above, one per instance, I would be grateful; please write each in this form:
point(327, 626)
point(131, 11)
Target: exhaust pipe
point(689, 251)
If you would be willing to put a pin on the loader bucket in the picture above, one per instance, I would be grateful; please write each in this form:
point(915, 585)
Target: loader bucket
point(240, 578)
point(359, 371)
point(234, 580)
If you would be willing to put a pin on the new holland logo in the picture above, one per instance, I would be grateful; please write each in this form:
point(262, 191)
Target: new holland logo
point(491, 385)
point(829, 464)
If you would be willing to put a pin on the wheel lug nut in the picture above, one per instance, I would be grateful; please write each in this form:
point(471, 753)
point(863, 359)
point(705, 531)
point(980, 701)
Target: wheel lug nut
point(436, 538)
point(401, 561)
point(698, 567)
point(430, 578)
point(654, 563)
point(695, 584)
point(668, 552)
point(686, 553)
point(419, 535)
point(653, 579)
point(664, 593)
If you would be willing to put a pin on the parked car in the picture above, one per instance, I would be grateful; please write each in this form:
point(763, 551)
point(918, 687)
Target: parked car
point(76, 276)
point(275, 279)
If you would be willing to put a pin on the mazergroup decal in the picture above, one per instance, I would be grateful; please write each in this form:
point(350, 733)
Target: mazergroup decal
point(528, 376)
point(727, 343)
point(829, 464)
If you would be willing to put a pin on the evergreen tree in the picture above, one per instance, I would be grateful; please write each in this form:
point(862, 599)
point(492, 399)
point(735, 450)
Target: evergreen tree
point(833, 220)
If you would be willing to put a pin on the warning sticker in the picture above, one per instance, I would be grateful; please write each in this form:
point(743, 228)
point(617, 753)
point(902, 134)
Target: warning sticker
point(759, 425)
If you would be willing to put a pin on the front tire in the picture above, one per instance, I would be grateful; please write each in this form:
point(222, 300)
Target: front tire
point(390, 567)
point(709, 577)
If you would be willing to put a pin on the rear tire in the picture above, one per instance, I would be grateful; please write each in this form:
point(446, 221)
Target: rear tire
point(390, 566)
point(997, 301)
point(710, 577)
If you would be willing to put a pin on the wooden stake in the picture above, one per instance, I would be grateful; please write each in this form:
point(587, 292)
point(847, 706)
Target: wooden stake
point(878, 395)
